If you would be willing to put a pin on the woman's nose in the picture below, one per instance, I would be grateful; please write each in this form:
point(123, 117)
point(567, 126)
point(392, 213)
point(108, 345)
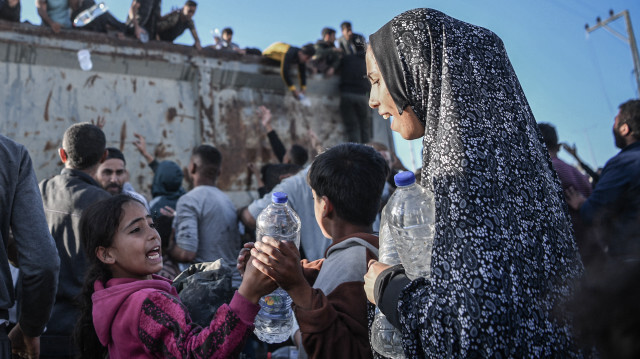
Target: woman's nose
point(373, 103)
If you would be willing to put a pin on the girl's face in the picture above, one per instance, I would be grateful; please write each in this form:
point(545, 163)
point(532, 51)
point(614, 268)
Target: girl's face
point(407, 124)
point(135, 252)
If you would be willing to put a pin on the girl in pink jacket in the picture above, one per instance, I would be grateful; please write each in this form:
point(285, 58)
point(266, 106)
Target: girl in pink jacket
point(127, 312)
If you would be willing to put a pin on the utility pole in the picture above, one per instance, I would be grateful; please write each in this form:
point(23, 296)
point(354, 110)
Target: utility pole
point(630, 40)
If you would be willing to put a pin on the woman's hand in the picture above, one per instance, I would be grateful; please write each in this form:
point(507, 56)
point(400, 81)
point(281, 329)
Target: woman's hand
point(375, 268)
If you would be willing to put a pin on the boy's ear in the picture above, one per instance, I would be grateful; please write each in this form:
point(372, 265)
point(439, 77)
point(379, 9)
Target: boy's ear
point(327, 207)
point(104, 255)
point(63, 155)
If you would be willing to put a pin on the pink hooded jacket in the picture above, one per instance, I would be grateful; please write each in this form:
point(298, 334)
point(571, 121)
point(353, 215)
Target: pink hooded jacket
point(145, 318)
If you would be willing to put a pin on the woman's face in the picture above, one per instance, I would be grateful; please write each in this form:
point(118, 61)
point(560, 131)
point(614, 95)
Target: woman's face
point(407, 124)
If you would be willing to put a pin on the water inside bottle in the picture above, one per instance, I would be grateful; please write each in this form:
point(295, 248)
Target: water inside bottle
point(414, 247)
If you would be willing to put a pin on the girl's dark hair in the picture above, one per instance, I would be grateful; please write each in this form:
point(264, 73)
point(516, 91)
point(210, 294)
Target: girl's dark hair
point(98, 225)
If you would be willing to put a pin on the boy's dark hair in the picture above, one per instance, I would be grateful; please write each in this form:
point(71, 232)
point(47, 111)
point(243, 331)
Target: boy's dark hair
point(191, 3)
point(98, 225)
point(630, 114)
point(84, 145)
point(113, 152)
point(345, 25)
point(298, 155)
point(327, 31)
point(352, 176)
point(210, 161)
point(308, 49)
point(549, 135)
point(227, 30)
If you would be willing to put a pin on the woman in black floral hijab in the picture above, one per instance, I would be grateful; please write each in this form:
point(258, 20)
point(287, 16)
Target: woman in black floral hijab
point(504, 253)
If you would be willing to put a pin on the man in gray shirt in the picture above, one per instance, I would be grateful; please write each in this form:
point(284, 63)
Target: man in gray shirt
point(205, 223)
point(65, 196)
point(313, 243)
point(36, 252)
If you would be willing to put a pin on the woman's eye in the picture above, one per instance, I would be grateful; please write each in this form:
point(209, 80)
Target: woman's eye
point(134, 230)
point(152, 225)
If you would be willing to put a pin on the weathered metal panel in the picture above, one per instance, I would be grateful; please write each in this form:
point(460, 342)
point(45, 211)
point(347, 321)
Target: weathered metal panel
point(177, 98)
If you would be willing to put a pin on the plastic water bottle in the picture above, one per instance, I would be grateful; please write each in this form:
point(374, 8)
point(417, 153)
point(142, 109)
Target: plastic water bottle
point(84, 58)
point(288, 352)
point(386, 340)
point(90, 14)
point(274, 321)
point(411, 218)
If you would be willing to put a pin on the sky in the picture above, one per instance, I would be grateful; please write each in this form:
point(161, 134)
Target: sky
point(573, 81)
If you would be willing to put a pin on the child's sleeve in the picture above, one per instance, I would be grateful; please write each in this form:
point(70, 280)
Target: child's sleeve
point(166, 329)
point(340, 319)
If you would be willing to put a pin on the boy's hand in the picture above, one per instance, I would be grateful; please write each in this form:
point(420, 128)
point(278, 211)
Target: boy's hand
point(255, 284)
point(243, 257)
point(280, 260)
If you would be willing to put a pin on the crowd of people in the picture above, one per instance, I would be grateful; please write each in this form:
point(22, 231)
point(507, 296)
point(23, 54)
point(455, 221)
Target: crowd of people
point(529, 254)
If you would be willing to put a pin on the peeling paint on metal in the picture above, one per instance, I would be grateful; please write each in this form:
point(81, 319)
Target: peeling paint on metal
point(91, 80)
point(123, 135)
point(171, 114)
point(50, 146)
point(46, 107)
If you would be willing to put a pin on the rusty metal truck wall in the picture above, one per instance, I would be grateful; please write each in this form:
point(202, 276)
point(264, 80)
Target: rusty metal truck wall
point(176, 97)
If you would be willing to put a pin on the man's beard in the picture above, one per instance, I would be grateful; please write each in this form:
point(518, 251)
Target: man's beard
point(619, 140)
point(114, 188)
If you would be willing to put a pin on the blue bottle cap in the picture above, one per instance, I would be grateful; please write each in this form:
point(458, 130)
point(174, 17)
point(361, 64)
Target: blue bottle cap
point(279, 197)
point(404, 178)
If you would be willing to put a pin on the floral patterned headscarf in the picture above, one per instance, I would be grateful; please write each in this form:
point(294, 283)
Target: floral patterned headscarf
point(504, 252)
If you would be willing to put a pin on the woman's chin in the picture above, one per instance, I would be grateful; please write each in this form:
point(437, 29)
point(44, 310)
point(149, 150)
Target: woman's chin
point(408, 135)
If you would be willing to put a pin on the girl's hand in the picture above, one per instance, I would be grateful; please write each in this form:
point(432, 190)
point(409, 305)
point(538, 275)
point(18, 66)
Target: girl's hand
point(255, 284)
point(243, 257)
